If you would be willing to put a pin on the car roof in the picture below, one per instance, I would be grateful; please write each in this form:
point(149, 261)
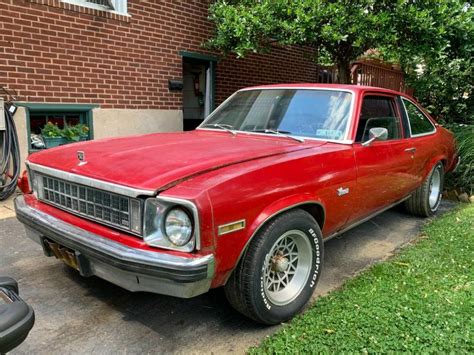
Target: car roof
point(355, 88)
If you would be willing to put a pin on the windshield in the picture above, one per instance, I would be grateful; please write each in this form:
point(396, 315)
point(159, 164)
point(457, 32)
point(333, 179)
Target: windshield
point(322, 114)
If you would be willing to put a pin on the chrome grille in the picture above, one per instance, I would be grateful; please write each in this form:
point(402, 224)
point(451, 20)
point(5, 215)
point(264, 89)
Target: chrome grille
point(112, 209)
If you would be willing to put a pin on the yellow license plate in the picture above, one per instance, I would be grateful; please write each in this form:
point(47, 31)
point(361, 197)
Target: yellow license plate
point(68, 256)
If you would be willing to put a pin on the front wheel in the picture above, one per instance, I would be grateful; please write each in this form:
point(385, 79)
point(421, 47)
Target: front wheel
point(426, 199)
point(280, 269)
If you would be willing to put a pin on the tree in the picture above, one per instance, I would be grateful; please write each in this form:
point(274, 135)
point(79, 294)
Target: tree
point(443, 80)
point(341, 30)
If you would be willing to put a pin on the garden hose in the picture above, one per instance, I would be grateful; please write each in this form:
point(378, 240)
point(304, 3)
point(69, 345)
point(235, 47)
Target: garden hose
point(10, 156)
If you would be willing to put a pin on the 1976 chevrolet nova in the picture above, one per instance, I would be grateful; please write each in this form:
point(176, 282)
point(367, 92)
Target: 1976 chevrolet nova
point(245, 201)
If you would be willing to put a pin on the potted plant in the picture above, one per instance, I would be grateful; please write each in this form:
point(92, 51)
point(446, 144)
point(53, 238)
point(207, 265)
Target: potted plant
point(52, 135)
point(83, 131)
point(76, 133)
point(71, 134)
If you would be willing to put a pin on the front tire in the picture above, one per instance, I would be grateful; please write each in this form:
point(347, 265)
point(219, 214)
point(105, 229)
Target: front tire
point(426, 199)
point(280, 269)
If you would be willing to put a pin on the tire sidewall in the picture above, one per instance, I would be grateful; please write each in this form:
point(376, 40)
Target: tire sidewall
point(266, 310)
point(438, 166)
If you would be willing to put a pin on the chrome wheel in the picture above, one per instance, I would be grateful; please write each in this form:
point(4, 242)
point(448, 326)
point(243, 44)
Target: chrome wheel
point(287, 267)
point(435, 189)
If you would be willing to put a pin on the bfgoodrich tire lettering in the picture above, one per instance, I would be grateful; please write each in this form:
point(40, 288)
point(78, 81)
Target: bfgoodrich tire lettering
point(426, 199)
point(280, 269)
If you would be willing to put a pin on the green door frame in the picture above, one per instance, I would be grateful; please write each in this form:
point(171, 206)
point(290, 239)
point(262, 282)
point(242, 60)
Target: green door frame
point(212, 66)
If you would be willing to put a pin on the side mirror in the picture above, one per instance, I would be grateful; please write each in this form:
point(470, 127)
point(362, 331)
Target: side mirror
point(376, 134)
point(16, 316)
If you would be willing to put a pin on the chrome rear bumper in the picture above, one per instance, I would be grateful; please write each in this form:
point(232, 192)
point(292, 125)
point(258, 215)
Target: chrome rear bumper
point(457, 163)
point(130, 268)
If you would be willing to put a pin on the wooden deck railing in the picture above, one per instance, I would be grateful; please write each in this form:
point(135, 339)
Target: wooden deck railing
point(370, 73)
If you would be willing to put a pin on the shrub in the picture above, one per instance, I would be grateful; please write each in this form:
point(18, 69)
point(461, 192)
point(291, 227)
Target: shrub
point(463, 177)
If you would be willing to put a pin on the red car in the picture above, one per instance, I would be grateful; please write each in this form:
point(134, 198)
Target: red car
point(246, 200)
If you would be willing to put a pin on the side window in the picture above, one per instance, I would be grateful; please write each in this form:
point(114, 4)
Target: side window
point(419, 123)
point(378, 111)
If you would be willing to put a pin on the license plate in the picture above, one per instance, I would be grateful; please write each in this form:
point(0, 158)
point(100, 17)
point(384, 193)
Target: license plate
point(68, 256)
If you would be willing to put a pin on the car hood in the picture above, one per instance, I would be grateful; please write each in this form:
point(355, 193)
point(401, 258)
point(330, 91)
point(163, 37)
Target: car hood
point(159, 161)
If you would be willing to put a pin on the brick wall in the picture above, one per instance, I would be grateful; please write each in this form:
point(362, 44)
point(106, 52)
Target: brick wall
point(56, 52)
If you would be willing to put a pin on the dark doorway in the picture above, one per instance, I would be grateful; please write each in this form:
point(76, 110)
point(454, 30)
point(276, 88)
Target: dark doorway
point(197, 91)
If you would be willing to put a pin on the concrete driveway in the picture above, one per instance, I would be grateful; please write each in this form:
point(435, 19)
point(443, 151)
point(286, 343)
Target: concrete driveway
point(78, 315)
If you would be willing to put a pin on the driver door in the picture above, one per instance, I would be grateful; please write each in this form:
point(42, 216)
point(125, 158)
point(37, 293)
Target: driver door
point(383, 167)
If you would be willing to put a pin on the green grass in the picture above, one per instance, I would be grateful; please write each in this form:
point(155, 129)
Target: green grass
point(419, 301)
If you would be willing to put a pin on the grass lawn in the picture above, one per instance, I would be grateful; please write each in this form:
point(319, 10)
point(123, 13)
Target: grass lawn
point(422, 300)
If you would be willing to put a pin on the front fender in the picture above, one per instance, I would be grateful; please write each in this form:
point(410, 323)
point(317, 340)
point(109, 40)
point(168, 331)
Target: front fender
point(270, 211)
point(281, 206)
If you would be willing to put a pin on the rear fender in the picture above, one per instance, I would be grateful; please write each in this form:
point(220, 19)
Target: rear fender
point(440, 157)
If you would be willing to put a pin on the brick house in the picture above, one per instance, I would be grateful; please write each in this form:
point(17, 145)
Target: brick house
point(124, 66)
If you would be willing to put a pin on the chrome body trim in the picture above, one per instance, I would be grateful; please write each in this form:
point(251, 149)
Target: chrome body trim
point(350, 121)
point(457, 164)
point(40, 195)
point(193, 209)
point(91, 182)
point(131, 268)
point(409, 124)
point(365, 219)
point(342, 191)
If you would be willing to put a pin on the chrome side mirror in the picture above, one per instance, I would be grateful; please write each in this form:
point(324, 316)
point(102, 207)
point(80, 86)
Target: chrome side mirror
point(376, 134)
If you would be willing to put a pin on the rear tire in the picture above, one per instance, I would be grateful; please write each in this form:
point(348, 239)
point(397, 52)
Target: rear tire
point(426, 199)
point(279, 270)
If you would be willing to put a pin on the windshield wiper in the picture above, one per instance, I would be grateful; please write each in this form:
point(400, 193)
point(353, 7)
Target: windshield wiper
point(225, 127)
point(279, 133)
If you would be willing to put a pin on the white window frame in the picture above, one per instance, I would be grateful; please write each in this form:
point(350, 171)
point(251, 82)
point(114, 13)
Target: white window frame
point(120, 6)
point(409, 122)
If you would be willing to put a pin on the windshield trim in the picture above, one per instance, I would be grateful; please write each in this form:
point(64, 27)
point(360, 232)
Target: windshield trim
point(345, 140)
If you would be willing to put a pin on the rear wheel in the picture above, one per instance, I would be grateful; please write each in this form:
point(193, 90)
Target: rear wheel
point(280, 269)
point(426, 199)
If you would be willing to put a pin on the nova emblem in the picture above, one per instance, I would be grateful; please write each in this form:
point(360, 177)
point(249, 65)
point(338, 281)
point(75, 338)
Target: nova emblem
point(342, 191)
point(82, 157)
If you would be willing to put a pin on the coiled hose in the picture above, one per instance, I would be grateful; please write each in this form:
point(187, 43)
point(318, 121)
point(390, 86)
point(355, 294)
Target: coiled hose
point(10, 156)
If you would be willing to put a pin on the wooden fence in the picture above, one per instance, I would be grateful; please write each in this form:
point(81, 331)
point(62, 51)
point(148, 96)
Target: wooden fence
point(370, 73)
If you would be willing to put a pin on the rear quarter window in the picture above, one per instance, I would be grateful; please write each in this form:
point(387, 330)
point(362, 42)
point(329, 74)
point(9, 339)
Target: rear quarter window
point(419, 123)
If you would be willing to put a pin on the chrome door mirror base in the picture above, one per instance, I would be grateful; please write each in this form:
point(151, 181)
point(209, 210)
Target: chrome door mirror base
point(376, 134)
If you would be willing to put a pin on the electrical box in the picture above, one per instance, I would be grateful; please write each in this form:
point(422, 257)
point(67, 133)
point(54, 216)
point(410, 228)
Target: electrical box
point(2, 115)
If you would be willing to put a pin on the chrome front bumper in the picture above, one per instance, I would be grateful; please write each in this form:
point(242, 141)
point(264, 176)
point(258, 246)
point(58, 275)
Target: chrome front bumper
point(130, 268)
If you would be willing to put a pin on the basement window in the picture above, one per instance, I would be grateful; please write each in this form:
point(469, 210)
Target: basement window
point(60, 115)
point(118, 6)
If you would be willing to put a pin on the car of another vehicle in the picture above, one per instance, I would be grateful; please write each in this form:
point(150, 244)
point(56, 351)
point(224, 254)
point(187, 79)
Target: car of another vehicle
point(245, 201)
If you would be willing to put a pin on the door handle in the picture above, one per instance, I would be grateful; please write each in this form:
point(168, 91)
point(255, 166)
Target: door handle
point(410, 150)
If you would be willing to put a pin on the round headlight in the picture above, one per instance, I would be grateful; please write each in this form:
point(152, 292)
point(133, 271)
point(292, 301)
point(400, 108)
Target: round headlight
point(178, 227)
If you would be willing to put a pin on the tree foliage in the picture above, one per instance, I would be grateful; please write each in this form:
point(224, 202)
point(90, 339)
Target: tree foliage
point(443, 77)
point(342, 30)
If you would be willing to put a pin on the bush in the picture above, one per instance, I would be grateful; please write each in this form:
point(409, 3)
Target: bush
point(463, 178)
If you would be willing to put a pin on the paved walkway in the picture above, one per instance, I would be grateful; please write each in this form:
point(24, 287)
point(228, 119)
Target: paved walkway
point(6, 208)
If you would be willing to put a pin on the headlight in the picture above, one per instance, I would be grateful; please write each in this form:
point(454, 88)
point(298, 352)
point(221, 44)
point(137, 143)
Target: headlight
point(178, 226)
point(171, 223)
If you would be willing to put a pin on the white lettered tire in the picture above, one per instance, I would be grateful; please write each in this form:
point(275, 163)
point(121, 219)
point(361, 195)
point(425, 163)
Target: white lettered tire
point(279, 270)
